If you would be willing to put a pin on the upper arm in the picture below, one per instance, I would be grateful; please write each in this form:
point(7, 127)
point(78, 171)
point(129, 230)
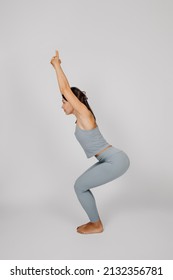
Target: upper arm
point(74, 101)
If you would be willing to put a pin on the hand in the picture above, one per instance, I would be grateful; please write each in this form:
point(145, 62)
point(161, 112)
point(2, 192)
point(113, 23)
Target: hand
point(55, 61)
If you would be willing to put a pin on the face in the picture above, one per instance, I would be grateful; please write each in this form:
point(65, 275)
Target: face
point(67, 107)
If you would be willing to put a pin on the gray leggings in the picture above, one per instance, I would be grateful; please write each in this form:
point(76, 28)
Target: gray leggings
point(111, 164)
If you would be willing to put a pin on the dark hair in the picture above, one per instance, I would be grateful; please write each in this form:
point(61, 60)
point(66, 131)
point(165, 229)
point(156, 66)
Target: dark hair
point(81, 95)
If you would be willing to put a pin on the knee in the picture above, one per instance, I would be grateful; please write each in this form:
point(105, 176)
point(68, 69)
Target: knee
point(78, 186)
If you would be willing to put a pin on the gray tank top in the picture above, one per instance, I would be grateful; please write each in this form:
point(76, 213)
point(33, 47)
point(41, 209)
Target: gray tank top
point(91, 140)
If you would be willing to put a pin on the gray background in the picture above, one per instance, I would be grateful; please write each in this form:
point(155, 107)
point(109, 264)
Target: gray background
point(120, 53)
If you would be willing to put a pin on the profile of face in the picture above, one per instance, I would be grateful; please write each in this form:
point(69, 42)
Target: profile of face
point(67, 107)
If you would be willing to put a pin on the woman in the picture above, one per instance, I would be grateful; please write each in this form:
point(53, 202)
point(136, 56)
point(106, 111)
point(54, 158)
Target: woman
point(111, 162)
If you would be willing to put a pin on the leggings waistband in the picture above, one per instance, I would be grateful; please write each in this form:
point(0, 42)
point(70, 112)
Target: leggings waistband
point(109, 152)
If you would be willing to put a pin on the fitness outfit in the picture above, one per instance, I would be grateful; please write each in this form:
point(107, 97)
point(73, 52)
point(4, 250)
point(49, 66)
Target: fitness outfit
point(111, 164)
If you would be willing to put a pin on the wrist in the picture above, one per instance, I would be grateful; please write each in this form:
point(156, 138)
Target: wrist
point(57, 66)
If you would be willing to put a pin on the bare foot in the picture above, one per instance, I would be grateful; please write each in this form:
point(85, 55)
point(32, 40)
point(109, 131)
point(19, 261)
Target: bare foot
point(80, 227)
point(91, 227)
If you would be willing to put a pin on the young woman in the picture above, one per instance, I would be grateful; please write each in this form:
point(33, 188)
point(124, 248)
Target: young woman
point(111, 162)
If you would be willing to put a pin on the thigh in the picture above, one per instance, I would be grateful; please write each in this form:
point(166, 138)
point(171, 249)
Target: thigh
point(98, 174)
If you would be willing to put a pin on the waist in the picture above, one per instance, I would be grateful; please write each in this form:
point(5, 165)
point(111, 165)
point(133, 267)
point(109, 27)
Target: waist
point(107, 152)
point(103, 151)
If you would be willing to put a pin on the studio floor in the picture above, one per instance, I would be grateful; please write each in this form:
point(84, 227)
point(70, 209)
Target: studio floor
point(42, 232)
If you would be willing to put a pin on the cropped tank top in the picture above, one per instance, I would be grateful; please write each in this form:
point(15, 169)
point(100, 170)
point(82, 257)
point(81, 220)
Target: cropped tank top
point(91, 140)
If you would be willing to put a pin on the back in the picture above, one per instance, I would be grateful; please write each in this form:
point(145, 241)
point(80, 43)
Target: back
point(91, 140)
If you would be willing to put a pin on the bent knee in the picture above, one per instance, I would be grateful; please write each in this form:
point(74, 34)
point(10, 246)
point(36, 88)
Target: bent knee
point(78, 186)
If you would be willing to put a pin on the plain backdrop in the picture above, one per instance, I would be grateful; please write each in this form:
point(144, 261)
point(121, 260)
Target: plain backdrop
point(120, 53)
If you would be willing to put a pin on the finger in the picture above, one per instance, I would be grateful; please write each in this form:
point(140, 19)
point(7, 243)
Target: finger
point(53, 57)
point(57, 53)
point(52, 60)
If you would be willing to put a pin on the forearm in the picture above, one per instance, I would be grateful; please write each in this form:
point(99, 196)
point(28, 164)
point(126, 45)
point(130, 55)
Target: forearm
point(62, 79)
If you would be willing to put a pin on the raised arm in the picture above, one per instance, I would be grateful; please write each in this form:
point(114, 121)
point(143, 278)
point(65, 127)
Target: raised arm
point(64, 85)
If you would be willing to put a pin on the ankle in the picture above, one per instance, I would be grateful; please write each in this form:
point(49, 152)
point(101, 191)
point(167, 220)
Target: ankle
point(97, 223)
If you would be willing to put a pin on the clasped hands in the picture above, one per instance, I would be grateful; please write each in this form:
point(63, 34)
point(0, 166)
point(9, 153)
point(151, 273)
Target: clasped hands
point(55, 61)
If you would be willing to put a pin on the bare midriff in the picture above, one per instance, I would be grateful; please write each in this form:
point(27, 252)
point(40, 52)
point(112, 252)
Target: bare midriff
point(103, 150)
